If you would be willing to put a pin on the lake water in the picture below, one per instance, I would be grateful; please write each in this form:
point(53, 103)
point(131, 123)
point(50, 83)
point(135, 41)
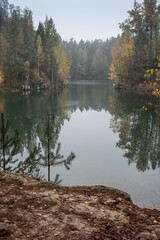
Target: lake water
point(116, 143)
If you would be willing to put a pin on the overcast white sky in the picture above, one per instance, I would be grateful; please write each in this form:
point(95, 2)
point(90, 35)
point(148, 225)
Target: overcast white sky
point(80, 19)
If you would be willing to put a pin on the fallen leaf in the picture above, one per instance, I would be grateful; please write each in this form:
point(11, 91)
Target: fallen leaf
point(6, 221)
point(149, 207)
point(56, 234)
point(119, 199)
point(39, 214)
point(135, 206)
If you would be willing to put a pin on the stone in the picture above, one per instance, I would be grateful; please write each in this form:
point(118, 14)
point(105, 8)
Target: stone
point(4, 229)
point(7, 229)
point(12, 177)
point(49, 201)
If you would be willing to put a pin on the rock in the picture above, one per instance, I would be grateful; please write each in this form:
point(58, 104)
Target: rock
point(7, 229)
point(49, 201)
point(147, 236)
point(46, 185)
point(3, 229)
point(12, 177)
point(101, 189)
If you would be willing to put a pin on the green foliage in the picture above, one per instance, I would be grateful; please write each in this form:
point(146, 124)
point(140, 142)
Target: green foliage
point(23, 49)
point(90, 60)
point(30, 165)
point(35, 79)
point(51, 157)
point(139, 44)
point(57, 180)
point(39, 52)
point(138, 131)
point(9, 146)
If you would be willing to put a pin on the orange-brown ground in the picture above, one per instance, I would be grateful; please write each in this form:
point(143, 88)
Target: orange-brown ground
point(39, 210)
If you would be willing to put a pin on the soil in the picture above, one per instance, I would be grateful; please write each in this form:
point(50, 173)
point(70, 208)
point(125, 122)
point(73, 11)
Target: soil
point(35, 210)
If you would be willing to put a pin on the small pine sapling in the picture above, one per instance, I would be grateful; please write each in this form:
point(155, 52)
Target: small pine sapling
point(51, 158)
point(9, 146)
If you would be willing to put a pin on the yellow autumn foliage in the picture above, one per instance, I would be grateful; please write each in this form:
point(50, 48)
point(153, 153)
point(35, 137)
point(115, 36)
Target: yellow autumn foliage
point(153, 76)
point(1, 77)
point(122, 54)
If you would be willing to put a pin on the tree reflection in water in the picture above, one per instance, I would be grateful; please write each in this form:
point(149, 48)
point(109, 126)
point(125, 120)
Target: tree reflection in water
point(139, 131)
point(31, 121)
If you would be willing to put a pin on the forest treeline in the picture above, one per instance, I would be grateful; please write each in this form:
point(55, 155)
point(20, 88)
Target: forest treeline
point(28, 56)
point(40, 57)
point(90, 59)
point(139, 45)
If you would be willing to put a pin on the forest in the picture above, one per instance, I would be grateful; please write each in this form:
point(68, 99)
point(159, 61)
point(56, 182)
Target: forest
point(40, 58)
point(139, 45)
point(90, 59)
point(30, 57)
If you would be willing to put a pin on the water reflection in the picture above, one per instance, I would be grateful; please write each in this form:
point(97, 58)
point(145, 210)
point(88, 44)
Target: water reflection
point(88, 95)
point(139, 131)
point(28, 114)
point(91, 119)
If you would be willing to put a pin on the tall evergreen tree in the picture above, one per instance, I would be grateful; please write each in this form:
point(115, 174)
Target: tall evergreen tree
point(39, 53)
point(143, 25)
point(15, 48)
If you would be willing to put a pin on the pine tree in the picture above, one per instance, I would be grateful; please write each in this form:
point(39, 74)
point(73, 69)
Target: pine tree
point(151, 25)
point(50, 158)
point(3, 13)
point(28, 35)
point(9, 146)
point(30, 165)
point(39, 53)
point(15, 48)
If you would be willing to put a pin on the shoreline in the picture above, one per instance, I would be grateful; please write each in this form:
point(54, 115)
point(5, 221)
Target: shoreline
point(31, 209)
point(19, 89)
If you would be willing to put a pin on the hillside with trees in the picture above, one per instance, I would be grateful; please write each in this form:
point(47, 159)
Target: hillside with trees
point(30, 57)
point(138, 48)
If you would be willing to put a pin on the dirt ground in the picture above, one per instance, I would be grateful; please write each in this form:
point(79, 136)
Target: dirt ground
point(39, 210)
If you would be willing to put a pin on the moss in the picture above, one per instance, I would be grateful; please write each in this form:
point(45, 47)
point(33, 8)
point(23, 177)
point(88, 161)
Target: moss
point(13, 178)
point(49, 201)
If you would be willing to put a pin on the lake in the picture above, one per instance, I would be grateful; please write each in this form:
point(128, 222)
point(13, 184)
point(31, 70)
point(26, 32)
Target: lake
point(116, 143)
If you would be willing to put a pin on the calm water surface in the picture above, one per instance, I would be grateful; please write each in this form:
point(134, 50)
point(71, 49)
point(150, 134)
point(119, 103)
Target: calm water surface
point(116, 144)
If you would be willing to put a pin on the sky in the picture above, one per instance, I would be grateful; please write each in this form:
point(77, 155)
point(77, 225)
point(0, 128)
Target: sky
point(80, 19)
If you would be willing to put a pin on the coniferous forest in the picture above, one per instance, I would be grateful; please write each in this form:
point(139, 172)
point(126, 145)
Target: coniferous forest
point(28, 56)
point(138, 48)
point(40, 58)
point(90, 59)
